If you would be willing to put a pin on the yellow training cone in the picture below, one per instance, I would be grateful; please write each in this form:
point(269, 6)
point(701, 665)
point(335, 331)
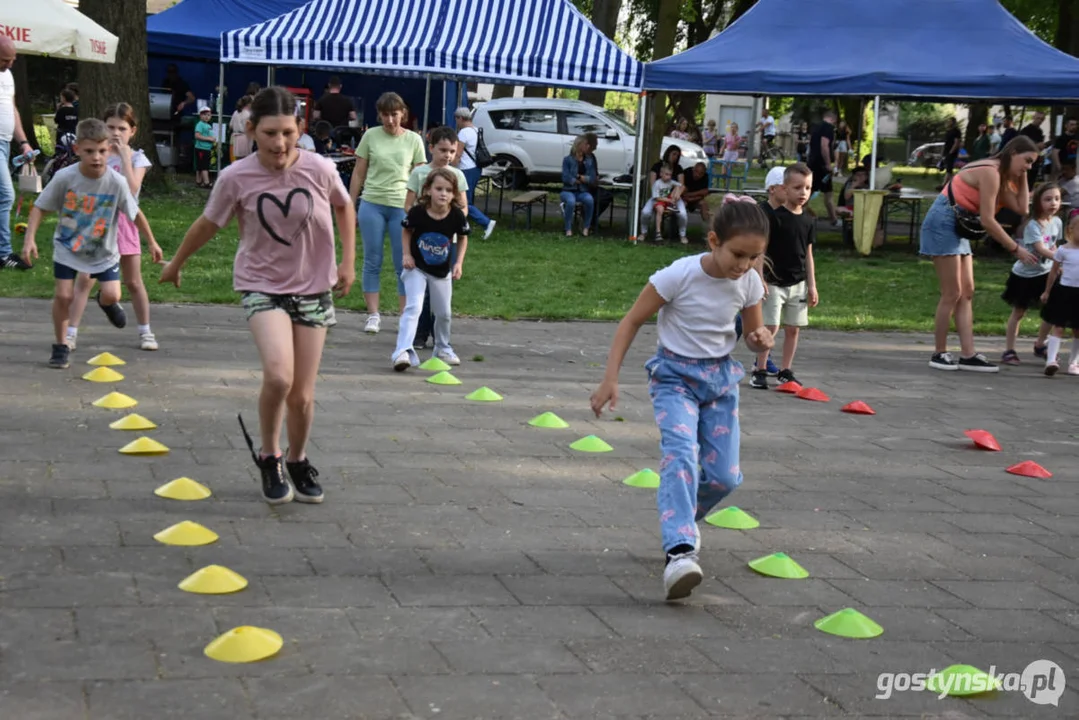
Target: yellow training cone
point(103, 374)
point(105, 359)
point(132, 422)
point(213, 580)
point(144, 446)
point(183, 489)
point(115, 401)
point(186, 533)
point(244, 644)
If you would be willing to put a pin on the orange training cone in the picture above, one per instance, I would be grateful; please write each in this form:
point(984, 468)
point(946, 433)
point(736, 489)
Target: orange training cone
point(791, 386)
point(983, 439)
point(813, 394)
point(1029, 468)
point(858, 408)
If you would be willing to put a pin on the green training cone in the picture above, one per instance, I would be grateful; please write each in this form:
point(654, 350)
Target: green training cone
point(484, 394)
point(434, 365)
point(548, 420)
point(732, 518)
point(779, 565)
point(443, 378)
point(647, 478)
point(961, 680)
point(591, 443)
point(849, 623)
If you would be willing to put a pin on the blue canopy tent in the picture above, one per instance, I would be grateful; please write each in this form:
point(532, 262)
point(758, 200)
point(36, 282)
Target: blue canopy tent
point(956, 50)
point(949, 49)
point(192, 28)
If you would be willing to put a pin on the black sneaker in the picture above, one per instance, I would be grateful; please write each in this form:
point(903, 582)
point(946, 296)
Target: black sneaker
point(115, 313)
point(303, 476)
point(943, 361)
point(759, 380)
point(977, 363)
point(11, 261)
point(786, 376)
point(276, 489)
point(1041, 351)
point(61, 356)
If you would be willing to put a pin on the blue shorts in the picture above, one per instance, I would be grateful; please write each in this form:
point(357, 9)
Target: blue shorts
point(63, 272)
point(938, 235)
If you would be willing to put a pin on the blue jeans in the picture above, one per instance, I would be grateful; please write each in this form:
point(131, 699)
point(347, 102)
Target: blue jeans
point(473, 175)
point(7, 198)
point(696, 407)
point(375, 221)
point(570, 201)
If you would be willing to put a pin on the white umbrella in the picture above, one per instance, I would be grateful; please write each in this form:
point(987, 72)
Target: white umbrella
point(54, 28)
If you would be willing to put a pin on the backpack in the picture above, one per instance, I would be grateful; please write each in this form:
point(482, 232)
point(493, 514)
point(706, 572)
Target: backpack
point(482, 158)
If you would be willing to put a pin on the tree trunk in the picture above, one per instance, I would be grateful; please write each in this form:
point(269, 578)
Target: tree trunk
point(605, 18)
point(101, 85)
point(25, 102)
point(1067, 38)
point(502, 91)
point(663, 46)
point(536, 91)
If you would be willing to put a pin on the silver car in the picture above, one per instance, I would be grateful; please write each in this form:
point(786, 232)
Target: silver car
point(533, 135)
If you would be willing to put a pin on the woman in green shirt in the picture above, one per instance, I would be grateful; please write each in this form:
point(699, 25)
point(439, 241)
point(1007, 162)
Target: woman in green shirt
point(384, 160)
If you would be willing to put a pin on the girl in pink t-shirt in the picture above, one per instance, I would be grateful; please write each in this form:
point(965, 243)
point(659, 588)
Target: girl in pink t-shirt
point(132, 164)
point(285, 203)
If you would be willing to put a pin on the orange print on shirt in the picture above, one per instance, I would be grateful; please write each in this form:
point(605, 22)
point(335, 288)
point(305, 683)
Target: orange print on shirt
point(87, 204)
point(100, 227)
point(71, 201)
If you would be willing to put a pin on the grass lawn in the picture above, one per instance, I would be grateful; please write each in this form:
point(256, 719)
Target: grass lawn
point(541, 274)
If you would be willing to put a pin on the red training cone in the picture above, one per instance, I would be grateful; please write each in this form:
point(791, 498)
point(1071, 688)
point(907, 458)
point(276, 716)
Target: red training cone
point(983, 439)
point(858, 408)
point(1029, 468)
point(791, 386)
point(812, 393)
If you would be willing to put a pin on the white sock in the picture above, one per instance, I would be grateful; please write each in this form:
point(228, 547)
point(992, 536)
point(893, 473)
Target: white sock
point(72, 332)
point(1054, 348)
point(143, 329)
point(1074, 357)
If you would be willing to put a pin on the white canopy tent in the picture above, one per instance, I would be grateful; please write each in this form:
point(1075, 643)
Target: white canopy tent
point(54, 28)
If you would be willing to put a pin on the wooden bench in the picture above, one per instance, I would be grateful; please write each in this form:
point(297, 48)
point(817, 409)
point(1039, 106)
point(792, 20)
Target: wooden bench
point(523, 203)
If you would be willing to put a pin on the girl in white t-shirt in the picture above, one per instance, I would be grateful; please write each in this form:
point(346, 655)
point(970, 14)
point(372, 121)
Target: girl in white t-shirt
point(132, 164)
point(693, 378)
point(1062, 298)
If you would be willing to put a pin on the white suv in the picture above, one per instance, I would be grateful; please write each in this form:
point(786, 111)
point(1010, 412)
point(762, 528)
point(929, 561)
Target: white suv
point(535, 134)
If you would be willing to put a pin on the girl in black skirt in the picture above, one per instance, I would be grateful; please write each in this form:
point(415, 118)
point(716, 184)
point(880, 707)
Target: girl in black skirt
point(1026, 283)
point(1061, 298)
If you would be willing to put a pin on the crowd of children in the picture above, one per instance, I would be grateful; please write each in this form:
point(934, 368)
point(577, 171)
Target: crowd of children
point(757, 276)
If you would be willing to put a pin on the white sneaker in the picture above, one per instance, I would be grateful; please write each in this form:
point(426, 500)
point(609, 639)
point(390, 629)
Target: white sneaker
point(374, 324)
point(684, 240)
point(71, 342)
point(449, 357)
point(147, 341)
point(490, 229)
point(402, 362)
point(1073, 368)
point(681, 575)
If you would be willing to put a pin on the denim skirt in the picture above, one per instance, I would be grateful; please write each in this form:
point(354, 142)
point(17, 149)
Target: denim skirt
point(938, 232)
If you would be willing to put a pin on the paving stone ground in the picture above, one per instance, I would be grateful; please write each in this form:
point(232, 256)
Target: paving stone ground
point(466, 565)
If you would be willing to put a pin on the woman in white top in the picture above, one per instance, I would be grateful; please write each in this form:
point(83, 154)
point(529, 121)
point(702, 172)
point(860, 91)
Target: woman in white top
point(241, 144)
point(467, 140)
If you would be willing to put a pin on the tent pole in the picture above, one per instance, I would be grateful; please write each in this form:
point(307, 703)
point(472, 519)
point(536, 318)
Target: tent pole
point(426, 106)
point(443, 101)
point(635, 196)
point(220, 111)
point(873, 163)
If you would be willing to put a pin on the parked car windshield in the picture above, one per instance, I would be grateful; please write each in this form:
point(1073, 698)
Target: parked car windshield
point(617, 120)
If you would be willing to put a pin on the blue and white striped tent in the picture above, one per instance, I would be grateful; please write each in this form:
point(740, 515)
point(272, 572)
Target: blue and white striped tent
point(518, 42)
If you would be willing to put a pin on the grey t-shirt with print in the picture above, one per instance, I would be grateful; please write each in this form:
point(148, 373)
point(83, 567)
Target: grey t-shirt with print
point(1035, 234)
point(87, 209)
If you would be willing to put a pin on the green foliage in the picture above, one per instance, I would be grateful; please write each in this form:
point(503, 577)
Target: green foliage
point(923, 119)
point(44, 139)
point(1040, 16)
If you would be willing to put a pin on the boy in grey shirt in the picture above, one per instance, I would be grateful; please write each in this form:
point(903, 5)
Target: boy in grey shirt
point(87, 197)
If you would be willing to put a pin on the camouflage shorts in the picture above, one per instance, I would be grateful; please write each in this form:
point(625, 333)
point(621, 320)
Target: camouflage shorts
point(314, 311)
